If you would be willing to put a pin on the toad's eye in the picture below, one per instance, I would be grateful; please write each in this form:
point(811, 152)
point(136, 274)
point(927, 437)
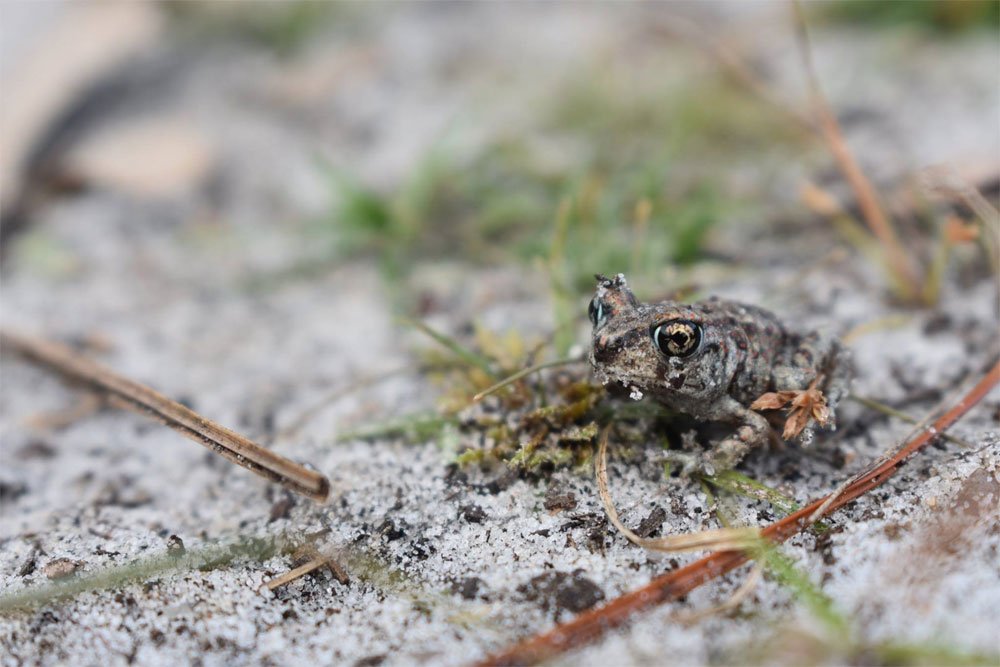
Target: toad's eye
point(677, 338)
point(596, 312)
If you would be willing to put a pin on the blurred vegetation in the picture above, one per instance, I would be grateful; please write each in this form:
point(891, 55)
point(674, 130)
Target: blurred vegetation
point(635, 183)
point(627, 166)
point(280, 26)
point(943, 16)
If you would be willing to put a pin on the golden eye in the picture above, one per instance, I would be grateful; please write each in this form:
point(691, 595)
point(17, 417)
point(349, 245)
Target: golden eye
point(677, 338)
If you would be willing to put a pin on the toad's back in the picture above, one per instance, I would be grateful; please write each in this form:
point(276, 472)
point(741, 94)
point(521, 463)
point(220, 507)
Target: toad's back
point(751, 339)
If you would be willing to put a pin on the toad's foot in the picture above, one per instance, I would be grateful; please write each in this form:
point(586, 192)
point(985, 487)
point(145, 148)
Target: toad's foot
point(690, 463)
point(722, 457)
point(753, 430)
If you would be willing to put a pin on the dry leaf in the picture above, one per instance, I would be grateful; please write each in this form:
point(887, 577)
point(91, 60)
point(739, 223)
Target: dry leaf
point(60, 568)
point(156, 157)
point(820, 201)
point(805, 405)
point(958, 231)
point(797, 420)
point(774, 400)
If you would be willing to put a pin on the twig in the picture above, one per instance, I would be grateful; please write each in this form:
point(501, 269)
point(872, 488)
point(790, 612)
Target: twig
point(315, 560)
point(292, 575)
point(893, 453)
point(593, 624)
point(126, 393)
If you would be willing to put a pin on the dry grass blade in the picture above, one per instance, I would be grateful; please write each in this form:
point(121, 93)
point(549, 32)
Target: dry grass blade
point(126, 393)
point(890, 411)
point(524, 372)
point(901, 269)
point(734, 600)
point(593, 624)
point(89, 404)
point(731, 63)
point(331, 398)
point(949, 183)
point(872, 211)
point(717, 540)
point(148, 568)
point(461, 352)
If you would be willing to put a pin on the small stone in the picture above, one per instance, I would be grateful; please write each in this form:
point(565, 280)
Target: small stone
point(391, 531)
point(468, 588)
point(650, 526)
point(561, 591)
point(280, 509)
point(473, 514)
point(60, 568)
point(557, 499)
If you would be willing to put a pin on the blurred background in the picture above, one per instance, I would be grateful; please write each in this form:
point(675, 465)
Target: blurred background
point(270, 142)
point(239, 202)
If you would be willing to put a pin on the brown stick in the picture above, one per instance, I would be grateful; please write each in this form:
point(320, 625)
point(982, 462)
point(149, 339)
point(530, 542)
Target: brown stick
point(129, 394)
point(592, 624)
point(292, 575)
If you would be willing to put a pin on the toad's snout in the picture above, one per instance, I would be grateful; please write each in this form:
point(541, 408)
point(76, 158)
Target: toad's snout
point(609, 346)
point(602, 351)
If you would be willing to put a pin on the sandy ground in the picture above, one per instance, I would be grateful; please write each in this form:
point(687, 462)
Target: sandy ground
point(463, 567)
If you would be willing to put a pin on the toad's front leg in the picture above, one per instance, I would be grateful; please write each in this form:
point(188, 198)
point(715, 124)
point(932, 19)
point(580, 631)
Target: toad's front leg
point(752, 430)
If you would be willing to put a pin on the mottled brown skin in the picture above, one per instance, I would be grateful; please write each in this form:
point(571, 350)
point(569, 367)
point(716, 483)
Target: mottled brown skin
point(709, 360)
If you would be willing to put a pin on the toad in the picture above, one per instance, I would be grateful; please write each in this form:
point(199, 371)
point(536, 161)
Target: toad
point(712, 360)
